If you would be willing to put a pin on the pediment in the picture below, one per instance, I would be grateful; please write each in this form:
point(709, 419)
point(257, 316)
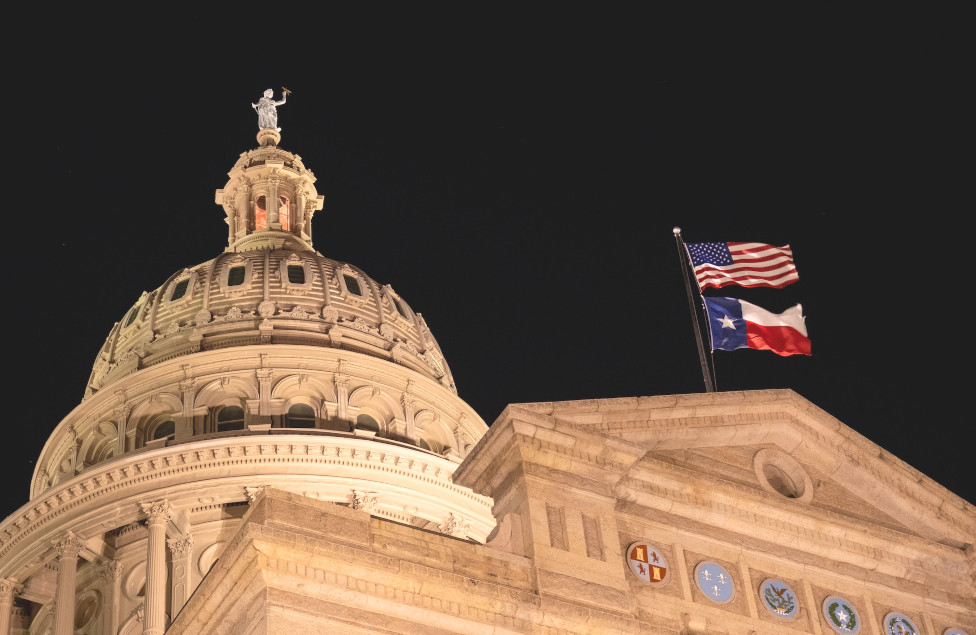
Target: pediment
point(712, 440)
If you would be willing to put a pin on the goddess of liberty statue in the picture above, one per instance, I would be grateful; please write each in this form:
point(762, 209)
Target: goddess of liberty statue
point(268, 111)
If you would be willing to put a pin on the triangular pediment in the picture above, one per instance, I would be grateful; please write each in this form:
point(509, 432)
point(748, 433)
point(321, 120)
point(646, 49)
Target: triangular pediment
point(775, 449)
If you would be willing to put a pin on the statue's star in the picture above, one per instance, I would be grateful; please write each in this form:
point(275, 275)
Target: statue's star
point(727, 322)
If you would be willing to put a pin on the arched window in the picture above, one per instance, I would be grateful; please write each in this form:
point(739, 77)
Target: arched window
point(284, 212)
point(230, 418)
point(261, 212)
point(366, 422)
point(300, 416)
point(164, 429)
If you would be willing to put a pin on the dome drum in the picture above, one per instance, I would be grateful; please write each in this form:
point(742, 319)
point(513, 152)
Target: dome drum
point(265, 382)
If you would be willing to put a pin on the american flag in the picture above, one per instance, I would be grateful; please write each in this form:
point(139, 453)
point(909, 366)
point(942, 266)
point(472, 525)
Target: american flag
point(745, 264)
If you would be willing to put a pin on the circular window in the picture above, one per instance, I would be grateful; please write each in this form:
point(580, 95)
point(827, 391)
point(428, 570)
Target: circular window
point(134, 586)
point(87, 608)
point(780, 473)
point(208, 557)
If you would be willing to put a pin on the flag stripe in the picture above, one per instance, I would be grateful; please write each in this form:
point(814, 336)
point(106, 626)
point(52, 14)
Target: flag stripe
point(744, 264)
point(782, 340)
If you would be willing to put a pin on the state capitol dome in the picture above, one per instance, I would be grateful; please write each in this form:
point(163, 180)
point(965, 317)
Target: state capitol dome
point(269, 365)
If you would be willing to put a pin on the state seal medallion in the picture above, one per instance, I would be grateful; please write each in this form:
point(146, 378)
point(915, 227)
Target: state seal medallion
point(898, 624)
point(841, 616)
point(779, 599)
point(648, 563)
point(715, 582)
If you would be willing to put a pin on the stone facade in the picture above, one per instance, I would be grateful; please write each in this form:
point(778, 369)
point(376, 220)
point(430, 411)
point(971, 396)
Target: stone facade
point(762, 487)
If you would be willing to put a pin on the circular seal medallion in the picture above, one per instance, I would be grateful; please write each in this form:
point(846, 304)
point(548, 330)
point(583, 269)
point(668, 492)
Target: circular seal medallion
point(955, 631)
point(841, 616)
point(898, 624)
point(779, 599)
point(648, 563)
point(715, 582)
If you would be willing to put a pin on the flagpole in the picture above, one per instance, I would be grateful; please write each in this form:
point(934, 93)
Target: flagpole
point(682, 259)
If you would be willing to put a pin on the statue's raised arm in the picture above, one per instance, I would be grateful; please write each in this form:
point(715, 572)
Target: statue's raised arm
point(268, 111)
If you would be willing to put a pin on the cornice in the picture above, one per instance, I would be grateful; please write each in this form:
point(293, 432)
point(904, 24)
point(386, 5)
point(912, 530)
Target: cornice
point(409, 485)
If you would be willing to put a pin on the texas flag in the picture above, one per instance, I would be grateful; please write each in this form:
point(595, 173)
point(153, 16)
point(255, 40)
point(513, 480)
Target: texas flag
point(739, 324)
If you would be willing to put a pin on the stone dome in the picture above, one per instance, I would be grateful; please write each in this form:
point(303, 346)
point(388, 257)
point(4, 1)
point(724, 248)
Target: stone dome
point(268, 287)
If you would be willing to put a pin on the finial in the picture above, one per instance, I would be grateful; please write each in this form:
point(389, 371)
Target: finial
point(677, 231)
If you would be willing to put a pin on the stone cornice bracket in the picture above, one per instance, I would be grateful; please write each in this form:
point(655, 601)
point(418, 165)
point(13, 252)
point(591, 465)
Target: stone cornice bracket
point(455, 525)
point(253, 494)
point(157, 512)
point(67, 545)
point(365, 501)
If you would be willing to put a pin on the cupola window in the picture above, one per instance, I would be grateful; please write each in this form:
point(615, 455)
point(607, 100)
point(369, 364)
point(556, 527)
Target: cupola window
point(296, 274)
point(230, 418)
point(284, 212)
point(180, 289)
point(133, 314)
point(397, 303)
point(398, 306)
point(300, 415)
point(235, 276)
point(352, 284)
point(261, 212)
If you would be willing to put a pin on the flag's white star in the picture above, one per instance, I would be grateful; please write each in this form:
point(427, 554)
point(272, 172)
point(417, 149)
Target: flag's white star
point(727, 322)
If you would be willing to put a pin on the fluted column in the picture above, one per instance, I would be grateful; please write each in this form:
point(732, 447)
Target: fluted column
point(8, 589)
point(157, 515)
point(68, 548)
point(181, 550)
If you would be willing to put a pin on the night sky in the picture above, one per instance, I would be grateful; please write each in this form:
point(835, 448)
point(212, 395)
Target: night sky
point(517, 182)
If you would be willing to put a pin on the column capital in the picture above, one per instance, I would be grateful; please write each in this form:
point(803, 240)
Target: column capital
point(67, 545)
point(181, 547)
point(8, 589)
point(157, 512)
point(111, 571)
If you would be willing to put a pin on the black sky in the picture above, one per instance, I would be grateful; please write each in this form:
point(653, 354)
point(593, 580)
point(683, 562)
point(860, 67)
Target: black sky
point(517, 182)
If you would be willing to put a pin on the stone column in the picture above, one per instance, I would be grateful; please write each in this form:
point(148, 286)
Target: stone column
point(8, 589)
point(111, 574)
point(342, 397)
point(157, 515)
point(179, 579)
point(68, 549)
